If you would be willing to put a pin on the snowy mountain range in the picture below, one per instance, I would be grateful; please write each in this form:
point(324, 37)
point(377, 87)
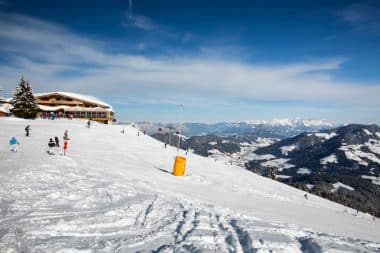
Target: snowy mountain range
point(317, 162)
point(342, 164)
point(113, 191)
point(276, 128)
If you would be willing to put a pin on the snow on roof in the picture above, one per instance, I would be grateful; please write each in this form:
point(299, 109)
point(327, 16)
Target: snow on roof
point(67, 108)
point(6, 108)
point(87, 98)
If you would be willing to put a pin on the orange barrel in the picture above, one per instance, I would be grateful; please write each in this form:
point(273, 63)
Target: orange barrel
point(179, 166)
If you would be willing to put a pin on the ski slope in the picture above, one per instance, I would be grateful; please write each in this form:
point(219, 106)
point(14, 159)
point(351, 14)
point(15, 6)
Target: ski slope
point(113, 192)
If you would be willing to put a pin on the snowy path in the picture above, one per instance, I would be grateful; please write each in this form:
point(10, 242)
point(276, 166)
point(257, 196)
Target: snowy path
point(112, 194)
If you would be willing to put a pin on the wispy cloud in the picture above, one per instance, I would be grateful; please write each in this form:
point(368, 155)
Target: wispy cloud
point(362, 17)
point(145, 23)
point(54, 58)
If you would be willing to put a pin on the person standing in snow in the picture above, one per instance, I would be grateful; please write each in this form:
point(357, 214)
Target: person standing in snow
point(89, 123)
point(27, 129)
point(56, 141)
point(65, 135)
point(272, 174)
point(65, 147)
point(51, 146)
point(13, 142)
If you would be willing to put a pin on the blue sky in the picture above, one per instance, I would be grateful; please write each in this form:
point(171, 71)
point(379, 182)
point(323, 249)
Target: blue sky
point(223, 60)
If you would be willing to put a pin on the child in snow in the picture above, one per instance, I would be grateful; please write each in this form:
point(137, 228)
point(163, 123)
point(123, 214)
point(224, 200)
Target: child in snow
point(13, 142)
point(51, 146)
point(27, 129)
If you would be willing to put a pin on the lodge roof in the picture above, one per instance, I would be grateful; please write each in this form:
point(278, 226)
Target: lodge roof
point(85, 98)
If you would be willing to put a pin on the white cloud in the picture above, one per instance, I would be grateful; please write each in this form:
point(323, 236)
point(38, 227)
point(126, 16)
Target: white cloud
point(54, 58)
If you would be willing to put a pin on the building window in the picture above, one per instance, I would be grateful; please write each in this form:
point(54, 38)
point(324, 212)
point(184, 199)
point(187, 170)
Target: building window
point(83, 114)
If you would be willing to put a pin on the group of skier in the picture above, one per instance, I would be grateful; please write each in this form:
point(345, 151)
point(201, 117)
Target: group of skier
point(52, 146)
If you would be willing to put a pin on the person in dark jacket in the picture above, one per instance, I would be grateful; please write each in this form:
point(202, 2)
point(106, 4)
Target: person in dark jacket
point(51, 146)
point(56, 141)
point(27, 130)
point(51, 143)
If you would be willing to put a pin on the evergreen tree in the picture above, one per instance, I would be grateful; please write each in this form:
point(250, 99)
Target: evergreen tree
point(24, 102)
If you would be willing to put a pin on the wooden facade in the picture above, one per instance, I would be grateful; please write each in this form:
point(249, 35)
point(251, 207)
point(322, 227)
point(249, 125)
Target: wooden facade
point(5, 108)
point(65, 104)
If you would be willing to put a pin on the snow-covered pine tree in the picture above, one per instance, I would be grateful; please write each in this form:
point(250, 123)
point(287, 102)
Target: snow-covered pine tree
point(24, 102)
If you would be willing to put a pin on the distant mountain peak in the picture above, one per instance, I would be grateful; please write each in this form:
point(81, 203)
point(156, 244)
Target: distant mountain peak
point(293, 122)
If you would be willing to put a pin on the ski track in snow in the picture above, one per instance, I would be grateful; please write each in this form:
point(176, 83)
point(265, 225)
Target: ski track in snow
point(61, 204)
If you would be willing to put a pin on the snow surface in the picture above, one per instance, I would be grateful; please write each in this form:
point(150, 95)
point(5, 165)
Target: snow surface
point(329, 159)
point(373, 146)
point(337, 185)
point(303, 171)
point(286, 149)
point(214, 151)
point(114, 192)
point(245, 154)
point(325, 136)
point(254, 156)
point(212, 143)
point(280, 164)
point(283, 176)
point(375, 180)
point(367, 131)
point(354, 152)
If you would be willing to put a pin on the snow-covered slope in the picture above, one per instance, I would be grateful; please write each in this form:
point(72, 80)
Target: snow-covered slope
point(113, 192)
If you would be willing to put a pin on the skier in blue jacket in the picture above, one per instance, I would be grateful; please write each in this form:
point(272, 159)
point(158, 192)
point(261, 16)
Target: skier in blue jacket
point(13, 142)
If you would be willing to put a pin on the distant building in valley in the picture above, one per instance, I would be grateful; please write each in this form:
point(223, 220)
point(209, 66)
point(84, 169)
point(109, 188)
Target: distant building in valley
point(67, 104)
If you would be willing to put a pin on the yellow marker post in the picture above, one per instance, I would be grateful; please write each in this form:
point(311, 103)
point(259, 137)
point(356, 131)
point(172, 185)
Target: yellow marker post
point(179, 166)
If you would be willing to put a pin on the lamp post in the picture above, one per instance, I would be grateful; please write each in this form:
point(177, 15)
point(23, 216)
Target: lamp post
point(180, 127)
point(180, 161)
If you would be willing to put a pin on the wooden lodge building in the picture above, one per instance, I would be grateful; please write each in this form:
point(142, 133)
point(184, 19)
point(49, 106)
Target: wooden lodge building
point(67, 104)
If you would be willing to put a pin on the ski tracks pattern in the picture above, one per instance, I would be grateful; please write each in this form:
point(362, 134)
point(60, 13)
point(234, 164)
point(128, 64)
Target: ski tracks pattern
point(68, 209)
